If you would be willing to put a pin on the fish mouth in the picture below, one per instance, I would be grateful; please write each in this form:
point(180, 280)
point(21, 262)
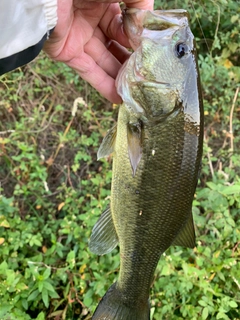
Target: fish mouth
point(139, 24)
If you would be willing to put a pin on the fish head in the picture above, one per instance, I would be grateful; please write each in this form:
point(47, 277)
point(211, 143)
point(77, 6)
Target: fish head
point(161, 75)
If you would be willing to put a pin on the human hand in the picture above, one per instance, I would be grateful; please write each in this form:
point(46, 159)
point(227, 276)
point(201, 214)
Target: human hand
point(89, 38)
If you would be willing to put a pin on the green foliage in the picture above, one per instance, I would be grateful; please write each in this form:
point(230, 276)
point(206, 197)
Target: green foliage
point(52, 189)
point(205, 284)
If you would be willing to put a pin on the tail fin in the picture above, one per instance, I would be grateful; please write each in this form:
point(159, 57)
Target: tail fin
point(113, 307)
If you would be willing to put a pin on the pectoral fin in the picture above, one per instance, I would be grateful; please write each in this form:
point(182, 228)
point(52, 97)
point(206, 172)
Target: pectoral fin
point(135, 141)
point(186, 236)
point(104, 237)
point(108, 143)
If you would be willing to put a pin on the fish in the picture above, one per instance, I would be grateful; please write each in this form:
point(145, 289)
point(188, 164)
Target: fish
point(157, 149)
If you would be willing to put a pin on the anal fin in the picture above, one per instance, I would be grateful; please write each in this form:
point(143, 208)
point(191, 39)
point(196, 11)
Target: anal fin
point(186, 236)
point(104, 237)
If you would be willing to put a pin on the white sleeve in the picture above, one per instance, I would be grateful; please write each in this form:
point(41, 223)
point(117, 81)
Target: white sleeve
point(23, 23)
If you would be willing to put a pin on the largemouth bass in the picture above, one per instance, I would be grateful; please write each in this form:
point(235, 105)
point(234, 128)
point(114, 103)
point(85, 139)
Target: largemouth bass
point(157, 148)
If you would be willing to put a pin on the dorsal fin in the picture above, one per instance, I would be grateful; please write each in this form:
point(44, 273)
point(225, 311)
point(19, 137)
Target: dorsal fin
point(104, 237)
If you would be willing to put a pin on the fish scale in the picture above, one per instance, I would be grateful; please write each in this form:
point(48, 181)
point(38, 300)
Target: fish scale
point(148, 235)
point(157, 148)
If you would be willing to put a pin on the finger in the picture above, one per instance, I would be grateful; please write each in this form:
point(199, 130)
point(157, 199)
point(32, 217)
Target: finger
point(140, 4)
point(119, 51)
point(102, 56)
point(114, 47)
point(111, 25)
point(96, 76)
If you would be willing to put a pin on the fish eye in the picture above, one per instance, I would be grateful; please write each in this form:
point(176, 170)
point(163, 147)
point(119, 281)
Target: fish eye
point(181, 49)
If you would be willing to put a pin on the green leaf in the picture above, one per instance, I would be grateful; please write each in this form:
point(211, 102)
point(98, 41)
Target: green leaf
point(45, 297)
point(71, 258)
point(46, 273)
point(4, 309)
point(3, 267)
point(202, 303)
point(222, 315)
point(47, 285)
point(87, 301)
point(4, 223)
point(232, 304)
point(231, 190)
point(166, 270)
point(33, 295)
point(37, 242)
point(212, 185)
point(25, 304)
point(40, 285)
point(53, 295)
point(21, 286)
point(205, 313)
point(41, 316)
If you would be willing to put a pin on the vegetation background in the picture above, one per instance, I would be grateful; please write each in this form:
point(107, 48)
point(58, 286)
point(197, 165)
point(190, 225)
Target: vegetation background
point(53, 189)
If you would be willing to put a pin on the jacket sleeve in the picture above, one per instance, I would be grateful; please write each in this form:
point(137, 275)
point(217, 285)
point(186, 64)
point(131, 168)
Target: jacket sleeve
point(24, 27)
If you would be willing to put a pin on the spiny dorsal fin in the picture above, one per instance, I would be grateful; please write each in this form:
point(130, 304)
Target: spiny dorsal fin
point(186, 236)
point(108, 143)
point(104, 237)
point(135, 141)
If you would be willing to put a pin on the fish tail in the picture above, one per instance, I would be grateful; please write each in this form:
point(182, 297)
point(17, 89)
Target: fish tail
point(114, 307)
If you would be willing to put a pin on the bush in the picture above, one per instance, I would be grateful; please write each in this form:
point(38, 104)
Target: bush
point(53, 189)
